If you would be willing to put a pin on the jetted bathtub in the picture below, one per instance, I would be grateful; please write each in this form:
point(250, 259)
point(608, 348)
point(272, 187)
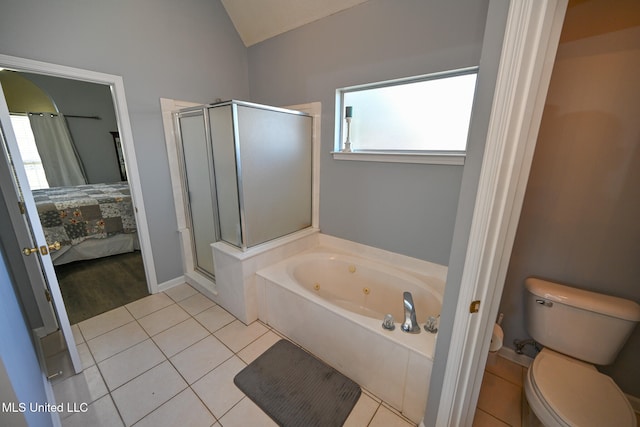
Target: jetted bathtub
point(333, 302)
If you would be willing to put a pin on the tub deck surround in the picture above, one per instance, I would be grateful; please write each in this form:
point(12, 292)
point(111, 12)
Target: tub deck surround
point(236, 270)
point(300, 297)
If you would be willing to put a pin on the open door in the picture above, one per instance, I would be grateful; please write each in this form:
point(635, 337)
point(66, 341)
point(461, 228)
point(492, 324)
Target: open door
point(26, 223)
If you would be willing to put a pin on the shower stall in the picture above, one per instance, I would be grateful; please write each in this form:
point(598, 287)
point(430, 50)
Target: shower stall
point(246, 175)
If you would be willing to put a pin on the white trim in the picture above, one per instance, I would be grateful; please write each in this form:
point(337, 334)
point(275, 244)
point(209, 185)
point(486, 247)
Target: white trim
point(168, 107)
point(530, 42)
point(427, 158)
point(314, 109)
point(171, 283)
point(126, 136)
point(510, 354)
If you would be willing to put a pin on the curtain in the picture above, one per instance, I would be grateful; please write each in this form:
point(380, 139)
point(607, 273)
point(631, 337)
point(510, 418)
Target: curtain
point(59, 157)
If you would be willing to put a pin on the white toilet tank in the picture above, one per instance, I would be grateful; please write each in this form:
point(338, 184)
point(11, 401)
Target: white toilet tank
point(585, 325)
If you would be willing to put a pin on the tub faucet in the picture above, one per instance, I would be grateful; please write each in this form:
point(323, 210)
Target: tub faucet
point(410, 323)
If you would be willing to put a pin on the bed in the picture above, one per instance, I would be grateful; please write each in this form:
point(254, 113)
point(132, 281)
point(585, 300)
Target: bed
point(90, 221)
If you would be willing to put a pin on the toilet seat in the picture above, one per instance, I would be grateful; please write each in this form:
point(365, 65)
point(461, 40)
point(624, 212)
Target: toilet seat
point(567, 392)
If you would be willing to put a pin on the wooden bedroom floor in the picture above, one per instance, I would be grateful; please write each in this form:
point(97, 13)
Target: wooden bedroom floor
point(96, 286)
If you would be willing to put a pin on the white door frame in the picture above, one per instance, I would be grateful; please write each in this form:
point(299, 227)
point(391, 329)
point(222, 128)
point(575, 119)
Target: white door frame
point(126, 136)
point(528, 53)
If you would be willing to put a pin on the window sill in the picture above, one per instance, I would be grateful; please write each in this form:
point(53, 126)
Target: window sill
point(431, 158)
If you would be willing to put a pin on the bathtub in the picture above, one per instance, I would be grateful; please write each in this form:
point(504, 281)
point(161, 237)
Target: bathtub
point(332, 303)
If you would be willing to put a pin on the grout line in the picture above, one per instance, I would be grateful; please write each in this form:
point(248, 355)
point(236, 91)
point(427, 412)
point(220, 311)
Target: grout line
point(268, 328)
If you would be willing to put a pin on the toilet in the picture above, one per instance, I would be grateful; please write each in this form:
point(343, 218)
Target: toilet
point(578, 329)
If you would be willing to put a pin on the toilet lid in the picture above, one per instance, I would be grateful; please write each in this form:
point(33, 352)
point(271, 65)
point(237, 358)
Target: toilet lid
point(578, 393)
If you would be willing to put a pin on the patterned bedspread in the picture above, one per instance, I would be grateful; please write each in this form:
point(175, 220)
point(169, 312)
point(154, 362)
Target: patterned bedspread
point(71, 215)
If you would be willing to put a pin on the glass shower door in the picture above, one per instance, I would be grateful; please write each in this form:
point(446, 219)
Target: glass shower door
point(199, 188)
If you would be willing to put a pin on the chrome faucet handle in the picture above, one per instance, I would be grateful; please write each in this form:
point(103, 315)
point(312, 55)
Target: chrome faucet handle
point(431, 325)
point(388, 322)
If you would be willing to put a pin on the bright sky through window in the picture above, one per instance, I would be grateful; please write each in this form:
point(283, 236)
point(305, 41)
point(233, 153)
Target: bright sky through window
point(432, 114)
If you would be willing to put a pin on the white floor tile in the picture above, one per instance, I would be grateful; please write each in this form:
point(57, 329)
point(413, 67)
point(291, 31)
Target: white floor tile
point(53, 343)
point(217, 390)
point(163, 319)
point(501, 398)
point(85, 355)
point(259, 346)
point(117, 340)
point(82, 388)
point(200, 358)
point(177, 338)
point(180, 292)
point(183, 410)
point(145, 393)
point(196, 304)
point(130, 363)
point(148, 390)
point(104, 322)
point(246, 413)
point(148, 305)
point(214, 318)
point(101, 413)
point(482, 419)
point(237, 335)
point(506, 369)
point(384, 417)
point(363, 412)
point(77, 335)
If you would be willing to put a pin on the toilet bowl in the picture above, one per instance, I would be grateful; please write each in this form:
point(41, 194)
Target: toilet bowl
point(578, 329)
point(562, 391)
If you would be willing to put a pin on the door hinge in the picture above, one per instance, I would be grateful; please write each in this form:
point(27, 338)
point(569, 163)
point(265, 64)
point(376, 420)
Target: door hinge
point(22, 208)
point(47, 295)
point(474, 307)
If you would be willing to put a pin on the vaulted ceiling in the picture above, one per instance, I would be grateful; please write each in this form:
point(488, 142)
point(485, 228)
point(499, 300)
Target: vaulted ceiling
point(259, 20)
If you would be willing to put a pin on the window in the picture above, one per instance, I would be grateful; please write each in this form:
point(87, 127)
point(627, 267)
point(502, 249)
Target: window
point(426, 116)
point(29, 152)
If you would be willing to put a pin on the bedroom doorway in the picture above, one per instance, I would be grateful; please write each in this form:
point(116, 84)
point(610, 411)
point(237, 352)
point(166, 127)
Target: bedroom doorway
point(105, 243)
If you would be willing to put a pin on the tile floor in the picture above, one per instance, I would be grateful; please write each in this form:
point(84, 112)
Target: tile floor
point(169, 359)
point(500, 402)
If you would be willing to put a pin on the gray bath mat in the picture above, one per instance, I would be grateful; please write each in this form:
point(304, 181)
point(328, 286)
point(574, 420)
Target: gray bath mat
point(296, 389)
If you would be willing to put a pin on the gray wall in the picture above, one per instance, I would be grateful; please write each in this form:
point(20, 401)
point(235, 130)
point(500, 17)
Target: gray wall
point(579, 223)
point(92, 138)
point(405, 208)
point(489, 62)
point(162, 48)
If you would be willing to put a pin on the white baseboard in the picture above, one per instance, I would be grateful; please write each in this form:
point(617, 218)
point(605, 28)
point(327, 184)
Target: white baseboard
point(171, 283)
point(520, 359)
